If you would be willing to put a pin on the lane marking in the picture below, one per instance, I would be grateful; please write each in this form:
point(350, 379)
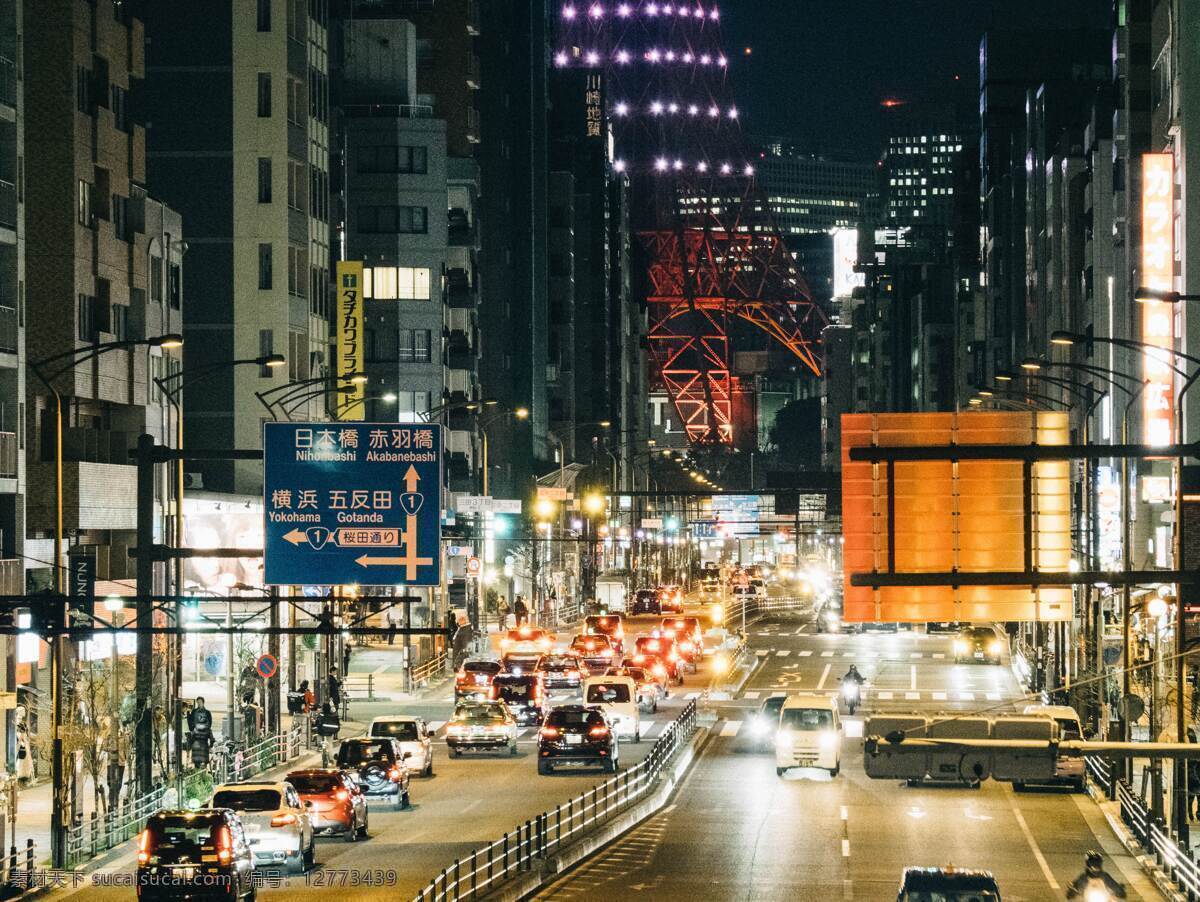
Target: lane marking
point(884, 695)
point(939, 696)
point(807, 653)
point(749, 695)
point(824, 676)
point(762, 652)
point(993, 696)
point(912, 696)
point(912, 676)
point(1037, 852)
point(826, 654)
point(966, 696)
point(847, 654)
point(783, 652)
point(939, 654)
point(731, 728)
point(845, 813)
point(845, 848)
point(915, 654)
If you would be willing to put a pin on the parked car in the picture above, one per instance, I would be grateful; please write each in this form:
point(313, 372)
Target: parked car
point(416, 742)
point(337, 803)
point(277, 823)
point(195, 854)
point(576, 734)
point(378, 763)
point(481, 726)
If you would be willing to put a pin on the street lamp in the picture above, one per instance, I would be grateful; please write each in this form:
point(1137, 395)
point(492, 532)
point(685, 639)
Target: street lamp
point(69, 360)
point(172, 387)
point(1144, 295)
point(282, 394)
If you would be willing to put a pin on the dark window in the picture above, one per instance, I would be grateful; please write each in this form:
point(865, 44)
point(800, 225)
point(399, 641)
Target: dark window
point(264, 15)
point(86, 314)
point(103, 306)
point(393, 158)
point(264, 266)
point(175, 285)
point(266, 347)
point(120, 217)
point(414, 346)
point(354, 753)
point(404, 730)
point(85, 204)
point(120, 108)
point(264, 180)
point(156, 280)
point(119, 321)
point(311, 784)
point(393, 220)
point(264, 94)
point(248, 799)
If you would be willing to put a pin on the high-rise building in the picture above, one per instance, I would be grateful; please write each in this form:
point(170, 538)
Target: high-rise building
point(237, 97)
point(810, 194)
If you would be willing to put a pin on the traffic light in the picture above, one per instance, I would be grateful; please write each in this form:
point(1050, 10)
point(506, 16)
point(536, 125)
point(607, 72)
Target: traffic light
point(501, 526)
point(189, 610)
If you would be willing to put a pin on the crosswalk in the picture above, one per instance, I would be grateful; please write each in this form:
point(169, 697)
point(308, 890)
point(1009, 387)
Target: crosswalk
point(650, 729)
point(891, 695)
point(855, 655)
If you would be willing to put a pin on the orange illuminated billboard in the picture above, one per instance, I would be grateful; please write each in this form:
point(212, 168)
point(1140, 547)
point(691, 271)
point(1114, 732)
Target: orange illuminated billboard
point(955, 516)
point(1158, 317)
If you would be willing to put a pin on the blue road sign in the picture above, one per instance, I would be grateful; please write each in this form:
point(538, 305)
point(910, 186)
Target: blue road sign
point(352, 503)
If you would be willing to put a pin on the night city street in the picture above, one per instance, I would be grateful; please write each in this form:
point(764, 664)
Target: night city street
point(599, 450)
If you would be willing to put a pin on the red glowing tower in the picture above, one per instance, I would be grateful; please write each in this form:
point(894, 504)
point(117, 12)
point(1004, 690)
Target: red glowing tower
point(712, 255)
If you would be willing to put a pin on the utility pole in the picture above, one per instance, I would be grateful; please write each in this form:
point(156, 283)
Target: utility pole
point(144, 679)
point(272, 711)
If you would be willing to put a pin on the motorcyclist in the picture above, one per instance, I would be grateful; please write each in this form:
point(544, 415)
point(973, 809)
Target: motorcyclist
point(1094, 877)
point(853, 676)
point(200, 736)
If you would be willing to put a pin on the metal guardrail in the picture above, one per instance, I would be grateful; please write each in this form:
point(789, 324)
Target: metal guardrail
point(1155, 838)
point(20, 874)
point(430, 669)
point(99, 833)
point(359, 688)
point(535, 840)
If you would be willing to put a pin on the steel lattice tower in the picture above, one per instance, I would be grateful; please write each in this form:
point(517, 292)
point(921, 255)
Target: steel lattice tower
point(711, 252)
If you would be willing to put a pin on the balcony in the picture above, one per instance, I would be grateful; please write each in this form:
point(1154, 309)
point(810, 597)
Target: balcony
point(473, 125)
point(460, 351)
point(460, 292)
point(8, 205)
point(8, 83)
point(461, 231)
point(460, 466)
point(8, 455)
point(473, 70)
point(8, 330)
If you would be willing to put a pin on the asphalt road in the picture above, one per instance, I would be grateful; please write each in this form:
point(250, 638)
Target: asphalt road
point(734, 830)
point(469, 801)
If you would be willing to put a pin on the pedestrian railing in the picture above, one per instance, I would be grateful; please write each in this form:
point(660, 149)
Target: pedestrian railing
point(97, 833)
point(1153, 835)
point(534, 841)
point(429, 670)
point(359, 688)
point(20, 874)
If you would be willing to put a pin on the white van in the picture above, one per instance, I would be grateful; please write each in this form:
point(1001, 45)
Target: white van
point(617, 696)
point(1067, 769)
point(809, 734)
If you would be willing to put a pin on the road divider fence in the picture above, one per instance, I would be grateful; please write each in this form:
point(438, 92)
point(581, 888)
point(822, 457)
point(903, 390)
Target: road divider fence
point(537, 839)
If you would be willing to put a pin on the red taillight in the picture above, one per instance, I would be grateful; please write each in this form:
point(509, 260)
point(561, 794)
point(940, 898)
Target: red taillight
point(394, 775)
point(144, 842)
point(598, 731)
point(549, 732)
point(282, 820)
point(493, 693)
point(342, 795)
point(225, 844)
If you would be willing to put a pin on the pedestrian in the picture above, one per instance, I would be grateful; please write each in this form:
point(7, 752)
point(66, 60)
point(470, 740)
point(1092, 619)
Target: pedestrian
point(451, 625)
point(334, 690)
point(346, 657)
point(502, 612)
point(521, 611)
point(1193, 781)
point(391, 624)
point(310, 700)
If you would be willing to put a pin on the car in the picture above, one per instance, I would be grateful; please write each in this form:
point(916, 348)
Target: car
point(950, 884)
point(277, 823)
point(378, 763)
point(1068, 769)
point(416, 742)
point(481, 726)
point(523, 693)
point(594, 651)
point(829, 619)
point(195, 854)
point(577, 734)
point(611, 625)
point(337, 802)
point(474, 678)
point(526, 643)
point(934, 627)
point(764, 723)
point(645, 601)
point(876, 626)
point(664, 648)
point(759, 586)
point(654, 667)
point(670, 599)
point(649, 691)
point(561, 671)
point(978, 644)
point(809, 734)
point(688, 636)
point(617, 697)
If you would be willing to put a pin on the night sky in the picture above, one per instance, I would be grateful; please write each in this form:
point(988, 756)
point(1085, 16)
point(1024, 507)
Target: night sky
point(820, 68)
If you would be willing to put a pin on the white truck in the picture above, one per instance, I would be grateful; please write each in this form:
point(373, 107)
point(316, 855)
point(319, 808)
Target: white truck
point(610, 594)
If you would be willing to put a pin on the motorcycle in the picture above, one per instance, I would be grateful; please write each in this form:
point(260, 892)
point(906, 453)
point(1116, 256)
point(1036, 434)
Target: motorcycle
point(851, 693)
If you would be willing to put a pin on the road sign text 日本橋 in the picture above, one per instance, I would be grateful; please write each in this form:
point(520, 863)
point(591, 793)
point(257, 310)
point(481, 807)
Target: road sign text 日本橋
point(352, 503)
